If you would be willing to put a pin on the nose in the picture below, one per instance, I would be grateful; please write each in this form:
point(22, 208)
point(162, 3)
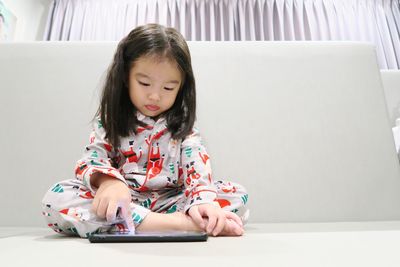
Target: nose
point(154, 96)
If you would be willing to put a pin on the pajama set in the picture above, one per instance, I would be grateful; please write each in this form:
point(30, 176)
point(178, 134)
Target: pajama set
point(163, 174)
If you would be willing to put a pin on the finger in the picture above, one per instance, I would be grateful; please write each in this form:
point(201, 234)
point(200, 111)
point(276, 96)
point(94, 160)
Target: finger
point(126, 213)
point(196, 216)
point(212, 220)
point(232, 228)
point(229, 227)
point(111, 211)
point(220, 224)
point(238, 230)
point(102, 208)
point(234, 217)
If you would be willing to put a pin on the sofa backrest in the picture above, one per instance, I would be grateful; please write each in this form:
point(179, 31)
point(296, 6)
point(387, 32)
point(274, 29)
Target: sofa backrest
point(303, 126)
point(391, 85)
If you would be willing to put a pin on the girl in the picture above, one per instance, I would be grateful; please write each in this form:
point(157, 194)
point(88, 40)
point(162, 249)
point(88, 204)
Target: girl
point(146, 166)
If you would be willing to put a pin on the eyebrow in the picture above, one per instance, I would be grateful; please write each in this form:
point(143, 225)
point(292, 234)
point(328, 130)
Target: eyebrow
point(145, 76)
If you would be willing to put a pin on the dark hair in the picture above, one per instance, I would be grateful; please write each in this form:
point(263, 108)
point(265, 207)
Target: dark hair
point(117, 113)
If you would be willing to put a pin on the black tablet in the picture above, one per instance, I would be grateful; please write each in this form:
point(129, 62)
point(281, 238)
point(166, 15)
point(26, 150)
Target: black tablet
point(176, 236)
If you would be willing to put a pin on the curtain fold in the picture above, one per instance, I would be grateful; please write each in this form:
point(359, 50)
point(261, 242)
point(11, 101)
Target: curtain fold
point(376, 21)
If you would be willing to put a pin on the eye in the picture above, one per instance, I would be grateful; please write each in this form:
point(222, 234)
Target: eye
point(169, 89)
point(144, 84)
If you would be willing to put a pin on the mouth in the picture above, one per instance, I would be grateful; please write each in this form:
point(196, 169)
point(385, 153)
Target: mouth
point(152, 107)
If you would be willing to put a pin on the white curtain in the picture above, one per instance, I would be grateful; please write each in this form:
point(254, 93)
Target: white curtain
point(376, 21)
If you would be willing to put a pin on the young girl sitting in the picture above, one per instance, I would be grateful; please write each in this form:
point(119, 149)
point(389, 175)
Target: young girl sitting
point(146, 166)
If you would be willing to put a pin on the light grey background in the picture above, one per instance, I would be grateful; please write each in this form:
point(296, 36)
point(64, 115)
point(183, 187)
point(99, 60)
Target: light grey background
point(303, 126)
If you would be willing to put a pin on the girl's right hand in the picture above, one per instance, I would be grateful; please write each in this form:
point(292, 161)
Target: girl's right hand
point(111, 195)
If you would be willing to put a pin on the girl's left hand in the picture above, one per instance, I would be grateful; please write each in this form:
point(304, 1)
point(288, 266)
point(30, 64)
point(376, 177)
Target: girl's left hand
point(216, 218)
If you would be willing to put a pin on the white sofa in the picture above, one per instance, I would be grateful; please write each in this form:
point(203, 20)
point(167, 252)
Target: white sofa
point(302, 125)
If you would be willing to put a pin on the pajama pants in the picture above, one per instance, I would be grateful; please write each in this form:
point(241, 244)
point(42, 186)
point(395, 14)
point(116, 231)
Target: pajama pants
point(67, 206)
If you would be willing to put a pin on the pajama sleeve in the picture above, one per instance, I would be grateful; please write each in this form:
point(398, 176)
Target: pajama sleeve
point(199, 187)
point(98, 157)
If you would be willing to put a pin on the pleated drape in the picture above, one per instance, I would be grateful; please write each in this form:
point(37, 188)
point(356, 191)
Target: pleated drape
point(376, 21)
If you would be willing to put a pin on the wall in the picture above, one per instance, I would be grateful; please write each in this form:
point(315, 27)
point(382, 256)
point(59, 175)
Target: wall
point(31, 18)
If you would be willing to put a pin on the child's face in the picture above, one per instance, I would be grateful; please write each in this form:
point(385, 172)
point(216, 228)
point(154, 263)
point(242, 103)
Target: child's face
point(154, 85)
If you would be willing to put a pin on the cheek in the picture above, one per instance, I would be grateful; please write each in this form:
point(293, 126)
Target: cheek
point(131, 94)
point(134, 93)
point(172, 99)
point(135, 97)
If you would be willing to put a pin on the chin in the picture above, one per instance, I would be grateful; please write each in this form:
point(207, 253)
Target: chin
point(152, 114)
